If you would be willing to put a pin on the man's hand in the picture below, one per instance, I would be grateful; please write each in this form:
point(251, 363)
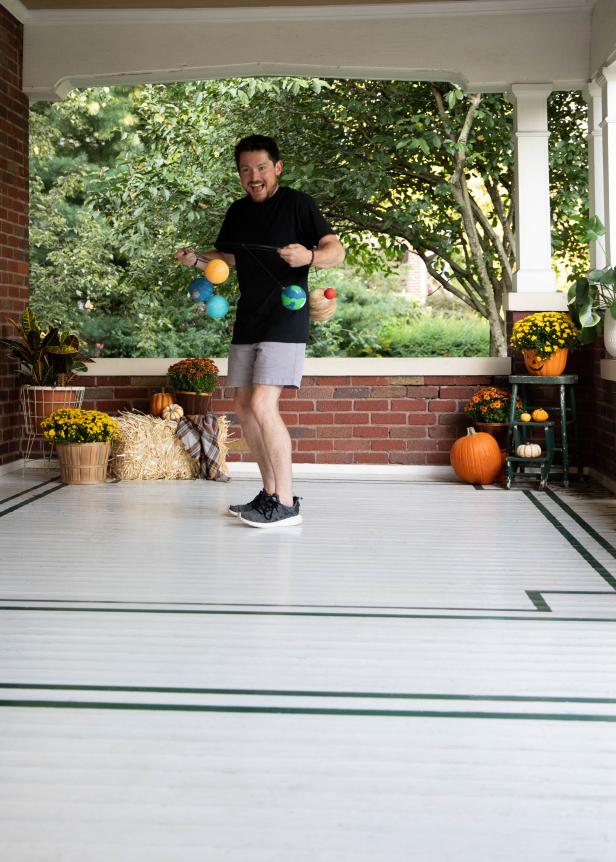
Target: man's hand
point(186, 256)
point(295, 255)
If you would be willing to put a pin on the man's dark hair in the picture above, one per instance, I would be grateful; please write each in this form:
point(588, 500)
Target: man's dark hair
point(252, 143)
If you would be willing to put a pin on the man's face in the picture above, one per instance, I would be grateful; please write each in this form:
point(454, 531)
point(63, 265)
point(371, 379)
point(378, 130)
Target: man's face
point(259, 175)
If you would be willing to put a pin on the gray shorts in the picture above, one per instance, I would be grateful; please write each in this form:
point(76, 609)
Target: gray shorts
point(276, 363)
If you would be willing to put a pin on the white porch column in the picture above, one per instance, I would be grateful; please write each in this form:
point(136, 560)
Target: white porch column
point(596, 198)
point(532, 190)
point(608, 126)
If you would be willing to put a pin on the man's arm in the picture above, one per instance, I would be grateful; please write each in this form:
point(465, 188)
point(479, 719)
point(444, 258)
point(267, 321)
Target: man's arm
point(329, 252)
point(189, 257)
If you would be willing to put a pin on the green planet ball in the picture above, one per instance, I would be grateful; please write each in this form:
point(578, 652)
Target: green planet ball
point(293, 297)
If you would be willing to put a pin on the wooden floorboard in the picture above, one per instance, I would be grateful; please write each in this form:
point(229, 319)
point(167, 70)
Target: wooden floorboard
point(420, 671)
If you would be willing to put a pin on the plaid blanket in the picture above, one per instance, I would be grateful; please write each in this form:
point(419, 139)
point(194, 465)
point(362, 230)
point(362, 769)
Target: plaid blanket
point(199, 436)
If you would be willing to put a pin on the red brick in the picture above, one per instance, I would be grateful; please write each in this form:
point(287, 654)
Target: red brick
point(437, 458)
point(369, 381)
point(453, 380)
point(338, 458)
point(422, 419)
point(354, 445)
point(388, 445)
point(371, 458)
point(442, 406)
point(388, 418)
point(316, 419)
point(316, 392)
point(464, 392)
point(333, 431)
point(422, 391)
point(351, 418)
point(297, 431)
point(371, 404)
point(315, 445)
point(425, 445)
point(372, 431)
point(352, 392)
point(305, 457)
point(408, 457)
point(411, 405)
point(334, 404)
point(405, 432)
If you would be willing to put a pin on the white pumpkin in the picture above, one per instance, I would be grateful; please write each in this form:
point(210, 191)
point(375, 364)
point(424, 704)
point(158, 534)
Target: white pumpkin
point(173, 411)
point(529, 450)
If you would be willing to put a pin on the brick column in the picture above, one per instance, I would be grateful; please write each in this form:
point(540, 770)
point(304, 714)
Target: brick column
point(13, 220)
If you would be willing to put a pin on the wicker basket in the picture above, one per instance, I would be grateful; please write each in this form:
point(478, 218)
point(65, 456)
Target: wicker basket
point(321, 308)
point(83, 463)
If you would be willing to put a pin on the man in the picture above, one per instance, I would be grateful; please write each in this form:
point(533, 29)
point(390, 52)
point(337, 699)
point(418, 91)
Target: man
point(269, 340)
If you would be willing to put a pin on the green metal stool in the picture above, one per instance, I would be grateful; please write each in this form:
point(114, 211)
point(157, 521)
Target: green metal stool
point(522, 383)
point(516, 464)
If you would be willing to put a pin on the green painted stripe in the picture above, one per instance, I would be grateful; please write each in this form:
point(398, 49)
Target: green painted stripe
point(30, 500)
point(29, 490)
point(272, 692)
point(288, 710)
point(306, 614)
point(538, 601)
point(577, 545)
point(607, 546)
point(225, 605)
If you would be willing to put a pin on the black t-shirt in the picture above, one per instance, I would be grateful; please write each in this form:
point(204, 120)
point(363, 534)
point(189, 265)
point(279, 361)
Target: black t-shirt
point(287, 217)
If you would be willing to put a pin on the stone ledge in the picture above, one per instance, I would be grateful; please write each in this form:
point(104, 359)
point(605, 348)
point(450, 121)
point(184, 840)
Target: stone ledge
point(464, 366)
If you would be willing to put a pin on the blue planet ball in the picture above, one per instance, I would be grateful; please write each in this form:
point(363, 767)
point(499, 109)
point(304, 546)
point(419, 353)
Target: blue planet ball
point(200, 289)
point(217, 306)
point(293, 297)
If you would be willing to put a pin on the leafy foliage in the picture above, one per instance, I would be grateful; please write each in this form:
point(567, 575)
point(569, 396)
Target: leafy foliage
point(123, 177)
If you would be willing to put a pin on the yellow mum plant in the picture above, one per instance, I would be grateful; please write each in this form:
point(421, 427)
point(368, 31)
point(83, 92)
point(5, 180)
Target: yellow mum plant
point(545, 332)
point(73, 425)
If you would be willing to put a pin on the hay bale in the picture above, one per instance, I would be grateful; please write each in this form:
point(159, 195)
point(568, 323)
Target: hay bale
point(147, 448)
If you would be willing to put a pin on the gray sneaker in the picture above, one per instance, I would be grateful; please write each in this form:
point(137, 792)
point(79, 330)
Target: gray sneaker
point(271, 513)
point(237, 509)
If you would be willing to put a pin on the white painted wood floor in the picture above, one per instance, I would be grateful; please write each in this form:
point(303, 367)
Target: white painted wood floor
point(421, 671)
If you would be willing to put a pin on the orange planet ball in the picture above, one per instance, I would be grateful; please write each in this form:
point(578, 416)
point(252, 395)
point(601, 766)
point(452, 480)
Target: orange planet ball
point(216, 271)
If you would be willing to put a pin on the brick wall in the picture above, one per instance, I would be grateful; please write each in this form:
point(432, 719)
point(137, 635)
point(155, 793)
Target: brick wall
point(13, 221)
point(600, 420)
point(337, 420)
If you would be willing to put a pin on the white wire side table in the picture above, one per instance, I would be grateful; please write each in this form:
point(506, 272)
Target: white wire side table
point(37, 402)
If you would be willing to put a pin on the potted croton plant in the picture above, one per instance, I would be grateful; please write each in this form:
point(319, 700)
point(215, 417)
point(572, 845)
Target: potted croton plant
point(48, 359)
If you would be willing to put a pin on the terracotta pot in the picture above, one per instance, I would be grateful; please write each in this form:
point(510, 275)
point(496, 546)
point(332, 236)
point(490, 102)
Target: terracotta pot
point(551, 367)
point(83, 463)
point(192, 403)
point(498, 430)
point(39, 401)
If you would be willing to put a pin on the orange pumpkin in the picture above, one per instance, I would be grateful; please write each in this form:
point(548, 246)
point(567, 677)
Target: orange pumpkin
point(159, 401)
point(476, 458)
point(550, 367)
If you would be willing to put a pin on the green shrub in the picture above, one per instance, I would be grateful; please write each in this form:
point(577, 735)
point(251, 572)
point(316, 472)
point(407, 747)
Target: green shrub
point(437, 336)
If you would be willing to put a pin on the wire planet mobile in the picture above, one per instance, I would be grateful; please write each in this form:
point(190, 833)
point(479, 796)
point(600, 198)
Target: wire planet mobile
point(217, 306)
point(200, 289)
point(293, 297)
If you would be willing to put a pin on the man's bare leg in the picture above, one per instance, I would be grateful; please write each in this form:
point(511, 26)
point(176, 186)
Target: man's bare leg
point(251, 430)
point(275, 438)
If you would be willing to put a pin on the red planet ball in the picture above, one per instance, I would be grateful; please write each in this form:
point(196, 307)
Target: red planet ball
point(330, 293)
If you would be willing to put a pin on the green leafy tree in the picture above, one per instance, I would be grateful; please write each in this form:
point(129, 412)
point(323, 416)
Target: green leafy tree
point(424, 165)
point(122, 178)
